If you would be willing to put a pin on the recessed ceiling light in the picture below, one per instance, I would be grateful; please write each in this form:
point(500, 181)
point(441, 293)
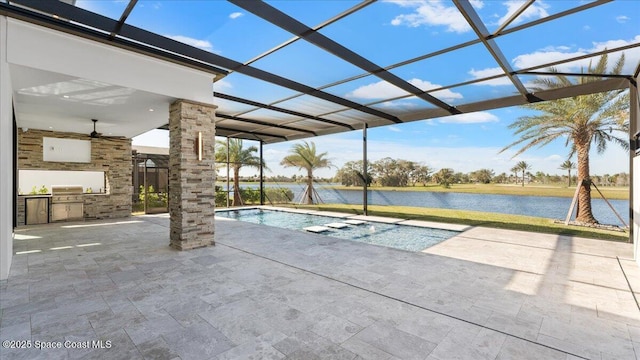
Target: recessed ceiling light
point(65, 96)
point(150, 109)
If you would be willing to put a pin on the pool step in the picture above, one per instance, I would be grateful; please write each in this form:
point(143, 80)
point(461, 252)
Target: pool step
point(354, 222)
point(316, 229)
point(337, 225)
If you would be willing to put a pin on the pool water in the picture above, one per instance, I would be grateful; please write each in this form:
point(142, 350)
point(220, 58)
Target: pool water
point(404, 237)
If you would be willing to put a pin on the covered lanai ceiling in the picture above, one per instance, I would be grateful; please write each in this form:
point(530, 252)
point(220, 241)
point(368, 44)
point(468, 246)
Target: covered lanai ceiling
point(293, 69)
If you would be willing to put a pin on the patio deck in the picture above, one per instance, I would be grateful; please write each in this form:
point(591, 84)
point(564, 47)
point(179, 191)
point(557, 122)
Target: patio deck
point(269, 293)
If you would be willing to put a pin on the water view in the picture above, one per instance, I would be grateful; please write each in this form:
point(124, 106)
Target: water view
point(539, 206)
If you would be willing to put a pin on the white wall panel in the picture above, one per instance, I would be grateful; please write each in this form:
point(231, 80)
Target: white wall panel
point(6, 157)
point(66, 150)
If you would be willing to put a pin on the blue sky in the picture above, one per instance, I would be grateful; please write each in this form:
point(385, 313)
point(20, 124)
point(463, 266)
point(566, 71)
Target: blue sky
point(386, 33)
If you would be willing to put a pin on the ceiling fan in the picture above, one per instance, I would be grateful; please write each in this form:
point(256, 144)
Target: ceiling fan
point(94, 134)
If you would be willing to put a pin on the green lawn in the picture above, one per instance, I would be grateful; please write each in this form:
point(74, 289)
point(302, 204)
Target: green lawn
point(617, 193)
point(476, 218)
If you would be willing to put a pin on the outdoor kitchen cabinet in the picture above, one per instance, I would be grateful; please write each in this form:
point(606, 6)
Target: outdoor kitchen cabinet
point(67, 211)
point(37, 210)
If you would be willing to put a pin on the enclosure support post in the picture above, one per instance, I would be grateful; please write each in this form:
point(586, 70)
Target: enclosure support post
point(146, 189)
point(365, 175)
point(228, 164)
point(633, 137)
point(136, 177)
point(261, 176)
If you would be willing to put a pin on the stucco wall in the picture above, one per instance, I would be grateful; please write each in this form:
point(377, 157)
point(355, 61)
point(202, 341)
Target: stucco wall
point(6, 157)
point(111, 155)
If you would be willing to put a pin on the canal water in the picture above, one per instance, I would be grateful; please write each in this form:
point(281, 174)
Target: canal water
point(539, 206)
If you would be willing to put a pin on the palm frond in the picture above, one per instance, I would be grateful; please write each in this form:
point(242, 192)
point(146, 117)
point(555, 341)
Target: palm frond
point(304, 156)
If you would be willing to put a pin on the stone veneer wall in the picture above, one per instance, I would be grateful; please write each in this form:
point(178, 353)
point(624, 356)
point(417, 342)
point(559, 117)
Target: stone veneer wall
point(111, 155)
point(191, 181)
point(20, 211)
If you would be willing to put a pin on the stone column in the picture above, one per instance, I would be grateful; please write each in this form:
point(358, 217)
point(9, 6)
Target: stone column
point(191, 181)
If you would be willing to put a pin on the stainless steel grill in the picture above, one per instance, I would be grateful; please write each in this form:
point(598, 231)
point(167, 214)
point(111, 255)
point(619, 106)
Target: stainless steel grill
point(67, 203)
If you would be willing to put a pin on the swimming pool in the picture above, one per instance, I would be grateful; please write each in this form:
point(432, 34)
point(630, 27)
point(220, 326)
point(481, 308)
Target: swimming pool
point(404, 237)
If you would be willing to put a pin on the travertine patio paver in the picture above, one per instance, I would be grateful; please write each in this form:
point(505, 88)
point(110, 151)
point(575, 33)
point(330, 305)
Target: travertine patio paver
point(271, 293)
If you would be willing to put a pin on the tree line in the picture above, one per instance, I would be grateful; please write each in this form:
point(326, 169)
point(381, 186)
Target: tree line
point(402, 173)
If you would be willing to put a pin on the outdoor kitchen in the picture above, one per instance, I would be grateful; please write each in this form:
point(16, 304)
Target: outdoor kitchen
point(72, 177)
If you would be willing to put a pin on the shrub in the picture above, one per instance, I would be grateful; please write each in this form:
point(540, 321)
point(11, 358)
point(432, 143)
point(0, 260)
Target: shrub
point(221, 197)
point(278, 195)
point(154, 199)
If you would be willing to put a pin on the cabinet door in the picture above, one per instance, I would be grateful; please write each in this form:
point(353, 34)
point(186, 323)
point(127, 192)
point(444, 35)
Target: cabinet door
point(58, 212)
point(76, 211)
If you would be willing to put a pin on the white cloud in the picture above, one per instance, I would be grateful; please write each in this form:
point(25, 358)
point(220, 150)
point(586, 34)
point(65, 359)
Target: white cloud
point(470, 118)
point(432, 13)
point(202, 44)
point(542, 57)
point(555, 157)
point(436, 13)
point(221, 85)
point(597, 46)
point(551, 54)
point(478, 4)
point(378, 90)
point(394, 128)
point(556, 48)
point(614, 160)
point(586, 28)
point(385, 90)
point(536, 11)
point(396, 104)
point(483, 73)
point(235, 15)
point(445, 95)
point(622, 19)
point(404, 3)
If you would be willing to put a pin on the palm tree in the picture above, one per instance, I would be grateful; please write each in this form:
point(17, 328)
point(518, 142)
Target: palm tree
point(239, 156)
point(304, 156)
point(580, 121)
point(515, 170)
point(568, 165)
point(523, 166)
